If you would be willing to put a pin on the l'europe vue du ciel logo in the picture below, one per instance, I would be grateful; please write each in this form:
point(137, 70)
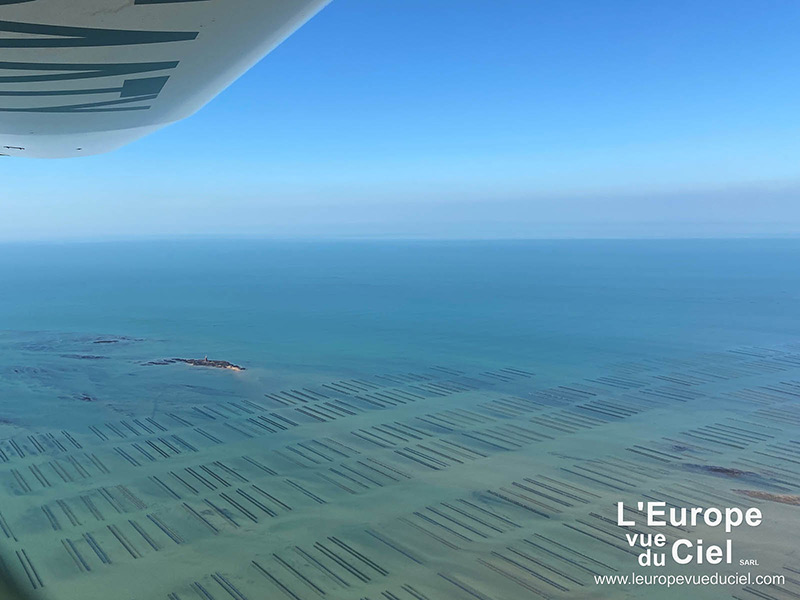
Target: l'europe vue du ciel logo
point(685, 551)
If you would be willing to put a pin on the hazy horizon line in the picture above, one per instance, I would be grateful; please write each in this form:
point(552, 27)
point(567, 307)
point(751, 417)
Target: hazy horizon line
point(388, 238)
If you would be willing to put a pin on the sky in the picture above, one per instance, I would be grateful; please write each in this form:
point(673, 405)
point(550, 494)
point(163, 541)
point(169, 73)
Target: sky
point(467, 119)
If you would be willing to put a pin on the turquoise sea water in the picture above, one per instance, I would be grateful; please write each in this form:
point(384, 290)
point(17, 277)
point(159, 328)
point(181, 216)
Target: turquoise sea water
point(416, 421)
point(355, 305)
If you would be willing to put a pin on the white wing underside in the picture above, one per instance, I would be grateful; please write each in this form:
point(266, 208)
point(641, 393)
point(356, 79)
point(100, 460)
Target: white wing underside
point(81, 77)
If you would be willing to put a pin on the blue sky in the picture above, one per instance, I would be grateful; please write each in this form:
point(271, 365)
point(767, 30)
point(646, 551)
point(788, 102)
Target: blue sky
point(436, 118)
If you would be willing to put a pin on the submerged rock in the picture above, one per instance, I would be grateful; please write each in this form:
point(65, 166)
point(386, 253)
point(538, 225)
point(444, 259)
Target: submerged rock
point(782, 498)
point(725, 471)
point(681, 448)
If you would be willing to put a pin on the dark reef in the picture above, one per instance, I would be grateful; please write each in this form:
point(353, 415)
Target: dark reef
point(114, 339)
point(84, 356)
point(724, 471)
point(782, 498)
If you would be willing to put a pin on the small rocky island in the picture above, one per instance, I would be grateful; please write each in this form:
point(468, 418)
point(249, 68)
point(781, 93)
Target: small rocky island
point(199, 362)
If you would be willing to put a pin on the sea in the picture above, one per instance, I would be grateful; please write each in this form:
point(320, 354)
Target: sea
point(414, 419)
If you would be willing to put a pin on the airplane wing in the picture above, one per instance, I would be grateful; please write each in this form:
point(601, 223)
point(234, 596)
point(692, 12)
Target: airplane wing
point(81, 77)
